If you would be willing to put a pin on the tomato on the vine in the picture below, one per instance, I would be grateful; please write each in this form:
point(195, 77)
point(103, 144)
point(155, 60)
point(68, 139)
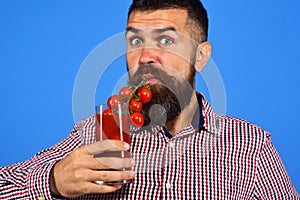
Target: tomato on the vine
point(113, 102)
point(144, 94)
point(125, 93)
point(137, 119)
point(134, 105)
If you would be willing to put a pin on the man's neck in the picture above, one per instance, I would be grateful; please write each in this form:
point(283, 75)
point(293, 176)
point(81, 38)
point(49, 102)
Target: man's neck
point(185, 117)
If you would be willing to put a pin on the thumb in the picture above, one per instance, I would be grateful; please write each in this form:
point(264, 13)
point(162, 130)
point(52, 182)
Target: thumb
point(107, 145)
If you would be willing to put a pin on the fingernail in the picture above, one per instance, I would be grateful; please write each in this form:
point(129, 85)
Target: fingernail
point(132, 162)
point(132, 174)
point(118, 186)
point(126, 145)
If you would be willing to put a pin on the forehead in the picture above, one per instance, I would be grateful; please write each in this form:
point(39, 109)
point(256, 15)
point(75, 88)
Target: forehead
point(175, 18)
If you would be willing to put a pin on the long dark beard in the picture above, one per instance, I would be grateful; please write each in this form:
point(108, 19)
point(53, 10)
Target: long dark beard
point(170, 96)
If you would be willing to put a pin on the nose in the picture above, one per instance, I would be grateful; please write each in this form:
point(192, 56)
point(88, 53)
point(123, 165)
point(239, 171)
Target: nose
point(148, 55)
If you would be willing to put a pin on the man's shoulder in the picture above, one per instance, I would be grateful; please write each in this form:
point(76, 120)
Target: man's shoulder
point(239, 127)
point(225, 124)
point(86, 122)
point(85, 125)
point(86, 128)
point(241, 121)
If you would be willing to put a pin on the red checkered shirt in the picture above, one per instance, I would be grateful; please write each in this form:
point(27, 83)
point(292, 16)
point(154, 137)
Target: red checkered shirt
point(224, 158)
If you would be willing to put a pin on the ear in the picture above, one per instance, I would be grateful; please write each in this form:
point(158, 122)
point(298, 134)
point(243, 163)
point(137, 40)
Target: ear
point(203, 54)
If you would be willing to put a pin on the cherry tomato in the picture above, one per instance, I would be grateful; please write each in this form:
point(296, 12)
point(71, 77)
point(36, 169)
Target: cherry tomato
point(144, 94)
point(135, 106)
point(137, 119)
point(113, 102)
point(125, 93)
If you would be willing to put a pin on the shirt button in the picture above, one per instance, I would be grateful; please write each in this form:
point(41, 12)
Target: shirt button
point(172, 145)
point(168, 185)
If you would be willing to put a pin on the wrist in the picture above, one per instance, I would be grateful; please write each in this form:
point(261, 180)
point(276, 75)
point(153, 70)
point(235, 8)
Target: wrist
point(53, 188)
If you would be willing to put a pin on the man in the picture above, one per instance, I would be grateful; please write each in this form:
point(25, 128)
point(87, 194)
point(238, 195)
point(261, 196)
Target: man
point(185, 150)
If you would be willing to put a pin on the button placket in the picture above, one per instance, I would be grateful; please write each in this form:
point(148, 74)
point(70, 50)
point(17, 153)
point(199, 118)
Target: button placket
point(170, 159)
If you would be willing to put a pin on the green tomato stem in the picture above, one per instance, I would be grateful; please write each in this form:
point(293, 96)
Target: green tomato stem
point(135, 89)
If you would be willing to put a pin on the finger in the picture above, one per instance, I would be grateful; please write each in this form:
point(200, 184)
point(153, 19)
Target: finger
point(109, 176)
point(114, 163)
point(96, 188)
point(117, 154)
point(107, 145)
point(99, 163)
point(91, 188)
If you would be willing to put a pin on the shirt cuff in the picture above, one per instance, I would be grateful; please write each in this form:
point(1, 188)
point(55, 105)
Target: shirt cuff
point(39, 182)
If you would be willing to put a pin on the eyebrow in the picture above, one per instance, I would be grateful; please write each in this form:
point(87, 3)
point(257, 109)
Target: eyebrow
point(134, 30)
point(157, 31)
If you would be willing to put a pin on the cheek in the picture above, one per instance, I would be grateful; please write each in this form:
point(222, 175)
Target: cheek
point(132, 60)
point(177, 63)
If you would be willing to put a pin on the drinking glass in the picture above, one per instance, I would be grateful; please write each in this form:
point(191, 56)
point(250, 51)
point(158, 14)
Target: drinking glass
point(112, 124)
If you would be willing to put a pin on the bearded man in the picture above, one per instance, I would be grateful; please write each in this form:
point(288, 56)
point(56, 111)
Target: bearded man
point(184, 150)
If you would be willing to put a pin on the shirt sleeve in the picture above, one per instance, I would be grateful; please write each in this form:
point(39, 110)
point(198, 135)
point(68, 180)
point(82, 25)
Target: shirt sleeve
point(31, 179)
point(272, 180)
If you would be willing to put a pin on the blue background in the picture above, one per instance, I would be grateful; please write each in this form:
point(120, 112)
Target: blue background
point(43, 43)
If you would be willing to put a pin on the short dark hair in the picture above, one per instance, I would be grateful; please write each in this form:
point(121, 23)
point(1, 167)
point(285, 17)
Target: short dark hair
point(197, 21)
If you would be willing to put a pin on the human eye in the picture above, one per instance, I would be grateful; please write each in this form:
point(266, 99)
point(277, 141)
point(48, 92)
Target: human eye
point(166, 41)
point(135, 42)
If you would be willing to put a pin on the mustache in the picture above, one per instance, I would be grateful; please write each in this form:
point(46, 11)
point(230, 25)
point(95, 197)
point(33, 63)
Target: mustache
point(149, 69)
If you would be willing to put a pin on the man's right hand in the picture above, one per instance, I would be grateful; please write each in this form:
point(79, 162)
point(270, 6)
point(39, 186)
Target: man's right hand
point(75, 175)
